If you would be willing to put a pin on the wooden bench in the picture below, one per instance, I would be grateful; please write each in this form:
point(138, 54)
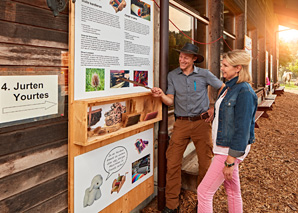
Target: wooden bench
point(190, 171)
point(278, 90)
point(268, 96)
point(257, 116)
point(264, 105)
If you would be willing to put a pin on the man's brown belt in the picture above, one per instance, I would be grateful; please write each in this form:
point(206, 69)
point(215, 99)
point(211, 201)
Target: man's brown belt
point(194, 118)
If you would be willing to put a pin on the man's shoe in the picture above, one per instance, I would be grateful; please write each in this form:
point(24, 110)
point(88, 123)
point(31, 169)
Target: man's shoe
point(167, 210)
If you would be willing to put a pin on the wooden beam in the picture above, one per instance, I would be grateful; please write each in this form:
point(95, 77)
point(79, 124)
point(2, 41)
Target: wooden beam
point(29, 15)
point(288, 22)
point(27, 199)
point(28, 139)
point(291, 13)
point(234, 8)
point(32, 177)
point(38, 158)
point(33, 36)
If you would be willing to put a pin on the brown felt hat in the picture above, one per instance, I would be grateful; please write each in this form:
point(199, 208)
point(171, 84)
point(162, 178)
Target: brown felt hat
point(192, 49)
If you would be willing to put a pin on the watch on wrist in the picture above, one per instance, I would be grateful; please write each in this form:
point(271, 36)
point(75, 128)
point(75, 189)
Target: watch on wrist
point(229, 164)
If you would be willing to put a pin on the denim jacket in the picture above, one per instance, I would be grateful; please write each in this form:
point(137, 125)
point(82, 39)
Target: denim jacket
point(236, 121)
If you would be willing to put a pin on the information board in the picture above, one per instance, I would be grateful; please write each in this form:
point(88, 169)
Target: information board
point(103, 175)
point(266, 65)
point(113, 40)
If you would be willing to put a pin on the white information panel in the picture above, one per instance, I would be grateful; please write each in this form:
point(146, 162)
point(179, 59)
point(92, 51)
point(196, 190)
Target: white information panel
point(271, 71)
point(113, 40)
point(266, 65)
point(248, 48)
point(24, 97)
point(103, 175)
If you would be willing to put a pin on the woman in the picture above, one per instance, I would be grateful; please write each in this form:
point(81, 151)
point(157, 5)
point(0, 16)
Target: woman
point(232, 132)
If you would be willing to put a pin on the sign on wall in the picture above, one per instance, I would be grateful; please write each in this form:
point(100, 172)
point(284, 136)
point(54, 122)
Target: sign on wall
point(113, 40)
point(103, 175)
point(24, 97)
point(248, 48)
point(271, 71)
point(266, 65)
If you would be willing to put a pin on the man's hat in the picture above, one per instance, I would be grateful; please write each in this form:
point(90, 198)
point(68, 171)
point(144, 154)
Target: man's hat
point(192, 49)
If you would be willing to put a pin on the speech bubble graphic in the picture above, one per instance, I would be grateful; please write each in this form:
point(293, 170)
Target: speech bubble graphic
point(115, 160)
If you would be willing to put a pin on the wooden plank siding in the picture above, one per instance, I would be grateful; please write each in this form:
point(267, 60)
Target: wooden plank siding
point(33, 156)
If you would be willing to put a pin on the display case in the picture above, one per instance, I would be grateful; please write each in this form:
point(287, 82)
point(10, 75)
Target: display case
point(119, 115)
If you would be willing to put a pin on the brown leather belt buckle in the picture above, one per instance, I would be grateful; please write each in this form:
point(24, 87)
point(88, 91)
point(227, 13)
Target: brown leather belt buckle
point(192, 118)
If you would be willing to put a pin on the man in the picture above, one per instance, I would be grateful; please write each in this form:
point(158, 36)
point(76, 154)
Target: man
point(187, 90)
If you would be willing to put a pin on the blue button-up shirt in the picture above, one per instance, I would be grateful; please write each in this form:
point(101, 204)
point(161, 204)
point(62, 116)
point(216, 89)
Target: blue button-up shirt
point(190, 91)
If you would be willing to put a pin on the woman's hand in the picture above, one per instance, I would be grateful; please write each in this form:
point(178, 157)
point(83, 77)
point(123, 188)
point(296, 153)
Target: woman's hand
point(228, 172)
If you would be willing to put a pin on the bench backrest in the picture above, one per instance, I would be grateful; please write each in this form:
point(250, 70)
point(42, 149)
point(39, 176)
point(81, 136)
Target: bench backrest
point(260, 95)
point(265, 92)
point(276, 85)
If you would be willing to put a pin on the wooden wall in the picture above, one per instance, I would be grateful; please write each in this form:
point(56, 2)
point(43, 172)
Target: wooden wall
point(33, 156)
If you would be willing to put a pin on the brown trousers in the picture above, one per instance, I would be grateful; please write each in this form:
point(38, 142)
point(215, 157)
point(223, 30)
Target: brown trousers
point(200, 133)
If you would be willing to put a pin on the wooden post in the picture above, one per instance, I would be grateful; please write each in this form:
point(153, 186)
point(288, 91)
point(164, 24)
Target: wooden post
point(275, 56)
point(200, 31)
point(215, 31)
point(241, 28)
point(254, 38)
point(163, 124)
point(229, 26)
point(262, 61)
point(74, 149)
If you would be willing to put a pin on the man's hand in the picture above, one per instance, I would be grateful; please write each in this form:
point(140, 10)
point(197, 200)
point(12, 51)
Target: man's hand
point(210, 112)
point(157, 92)
point(166, 99)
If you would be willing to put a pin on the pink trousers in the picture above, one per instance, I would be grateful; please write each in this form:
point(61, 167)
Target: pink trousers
point(212, 181)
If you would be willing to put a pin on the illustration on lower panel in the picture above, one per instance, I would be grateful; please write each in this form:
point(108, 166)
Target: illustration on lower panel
point(103, 175)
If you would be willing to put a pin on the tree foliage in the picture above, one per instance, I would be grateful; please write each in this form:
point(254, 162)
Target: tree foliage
point(176, 41)
point(288, 57)
point(285, 55)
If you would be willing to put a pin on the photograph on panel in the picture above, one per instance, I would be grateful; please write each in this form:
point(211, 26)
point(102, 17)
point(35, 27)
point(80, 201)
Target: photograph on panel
point(140, 168)
point(118, 5)
point(140, 9)
point(140, 77)
point(116, 76)
point(95, 79)
point(141, 145)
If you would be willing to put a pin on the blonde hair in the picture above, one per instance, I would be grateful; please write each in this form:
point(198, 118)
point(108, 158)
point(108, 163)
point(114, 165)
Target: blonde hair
point(242, 58)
